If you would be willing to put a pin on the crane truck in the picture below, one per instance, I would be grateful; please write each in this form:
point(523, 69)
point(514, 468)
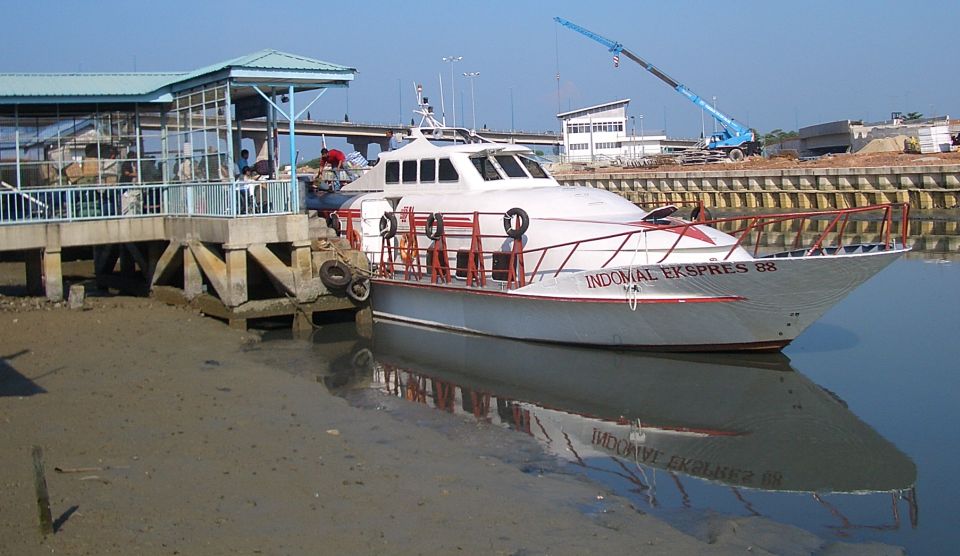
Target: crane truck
point(733, 139)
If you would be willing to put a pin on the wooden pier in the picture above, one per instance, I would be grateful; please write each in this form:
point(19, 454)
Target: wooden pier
point(234, 269)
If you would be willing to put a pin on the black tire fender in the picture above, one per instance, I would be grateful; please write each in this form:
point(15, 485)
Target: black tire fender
point(388, 225)
point(516, 233)
point(335, 275)
point(359, 289)
point(333, 222)
point(434, 227)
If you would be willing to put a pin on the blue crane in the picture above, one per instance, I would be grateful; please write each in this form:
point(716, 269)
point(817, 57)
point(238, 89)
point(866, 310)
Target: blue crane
point(734, 138)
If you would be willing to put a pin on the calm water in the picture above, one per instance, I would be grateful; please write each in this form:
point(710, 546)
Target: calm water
point(851, 434)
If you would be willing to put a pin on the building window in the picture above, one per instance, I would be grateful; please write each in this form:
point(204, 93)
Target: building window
point(609, 145)
point(608, 127)
point(579, 146)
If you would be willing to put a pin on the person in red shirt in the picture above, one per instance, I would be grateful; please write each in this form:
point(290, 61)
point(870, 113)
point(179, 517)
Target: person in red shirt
point(335, 159)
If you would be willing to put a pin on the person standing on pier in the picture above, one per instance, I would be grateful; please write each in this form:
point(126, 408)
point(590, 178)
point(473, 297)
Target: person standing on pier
point(336, 159)
point(129, 198)
point(242, 163)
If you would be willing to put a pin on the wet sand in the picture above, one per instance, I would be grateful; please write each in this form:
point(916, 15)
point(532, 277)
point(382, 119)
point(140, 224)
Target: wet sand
point(182, 436)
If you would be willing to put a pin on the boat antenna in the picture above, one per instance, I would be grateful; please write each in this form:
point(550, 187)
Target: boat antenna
point(443, 110)
point(556, 34)
point(425, 110)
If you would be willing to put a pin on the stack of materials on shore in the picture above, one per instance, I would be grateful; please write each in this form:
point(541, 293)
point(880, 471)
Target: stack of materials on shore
point(934, 139)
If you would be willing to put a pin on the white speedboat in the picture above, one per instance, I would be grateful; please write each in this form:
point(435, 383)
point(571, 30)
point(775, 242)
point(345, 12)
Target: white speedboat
point(476, 236)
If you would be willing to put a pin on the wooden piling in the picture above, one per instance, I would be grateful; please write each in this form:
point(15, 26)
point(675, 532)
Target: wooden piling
point(43, 497)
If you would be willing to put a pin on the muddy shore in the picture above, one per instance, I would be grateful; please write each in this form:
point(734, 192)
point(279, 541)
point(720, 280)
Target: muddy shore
point(178, 435)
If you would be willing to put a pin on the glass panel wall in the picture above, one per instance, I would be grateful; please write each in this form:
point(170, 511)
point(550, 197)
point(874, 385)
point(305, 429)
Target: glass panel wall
point(77, 146)
point(196, 149)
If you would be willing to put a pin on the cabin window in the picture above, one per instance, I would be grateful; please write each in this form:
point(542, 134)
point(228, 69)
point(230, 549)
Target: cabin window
point(428, 171)
point(532, 166)
point(409, 171)
point(486, 168)
point(510, 166)
point(447, 171)
point(393, 172)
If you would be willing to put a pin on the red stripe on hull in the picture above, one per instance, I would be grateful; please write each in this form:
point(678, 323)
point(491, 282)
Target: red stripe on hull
point(473, 291)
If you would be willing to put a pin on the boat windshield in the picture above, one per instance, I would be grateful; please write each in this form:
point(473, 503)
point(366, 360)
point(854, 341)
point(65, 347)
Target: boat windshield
point(486, 168)
point(532, 166)
point(510, 166)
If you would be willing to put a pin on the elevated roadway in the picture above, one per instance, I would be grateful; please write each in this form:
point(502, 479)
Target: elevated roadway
point(361, 135)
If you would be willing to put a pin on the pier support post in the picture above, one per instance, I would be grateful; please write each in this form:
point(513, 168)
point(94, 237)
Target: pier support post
point(300, 263)
point(192, 278)
point(302, 323)
point(364, 322)
point(34, 264)
point(235, 258)
point(52, 274)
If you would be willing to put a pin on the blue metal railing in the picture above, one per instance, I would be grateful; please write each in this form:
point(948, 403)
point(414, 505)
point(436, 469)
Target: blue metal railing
point(96, 202)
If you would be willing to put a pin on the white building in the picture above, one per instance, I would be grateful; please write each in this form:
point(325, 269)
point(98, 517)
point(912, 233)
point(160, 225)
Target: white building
point(605, 132)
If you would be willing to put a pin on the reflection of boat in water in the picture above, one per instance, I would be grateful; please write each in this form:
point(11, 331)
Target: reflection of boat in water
point(749, 422)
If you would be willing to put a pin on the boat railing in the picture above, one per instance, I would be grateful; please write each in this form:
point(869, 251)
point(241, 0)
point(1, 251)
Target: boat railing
point(402, 255)
point(401, 249)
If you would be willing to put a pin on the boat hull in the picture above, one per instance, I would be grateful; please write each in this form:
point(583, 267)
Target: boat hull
point(762, 304)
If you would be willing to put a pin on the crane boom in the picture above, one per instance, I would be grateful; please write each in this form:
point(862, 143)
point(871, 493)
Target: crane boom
point(735, 134)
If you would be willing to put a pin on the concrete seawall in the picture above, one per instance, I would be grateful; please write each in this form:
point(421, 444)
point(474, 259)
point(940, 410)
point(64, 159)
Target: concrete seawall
point(924, 187)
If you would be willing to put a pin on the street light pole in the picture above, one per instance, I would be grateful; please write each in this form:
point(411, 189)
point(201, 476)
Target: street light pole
point(643, 148)
point(633, 136)
point(453, 90)
point(473, 102)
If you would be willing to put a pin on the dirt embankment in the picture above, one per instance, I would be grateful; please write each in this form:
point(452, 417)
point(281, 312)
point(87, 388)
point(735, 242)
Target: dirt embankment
point(864, 160)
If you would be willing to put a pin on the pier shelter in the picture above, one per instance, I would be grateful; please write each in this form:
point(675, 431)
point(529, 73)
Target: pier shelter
point(145, 168)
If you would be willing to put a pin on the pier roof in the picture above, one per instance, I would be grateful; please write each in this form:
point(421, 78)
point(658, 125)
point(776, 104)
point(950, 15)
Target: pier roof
point(265, 66)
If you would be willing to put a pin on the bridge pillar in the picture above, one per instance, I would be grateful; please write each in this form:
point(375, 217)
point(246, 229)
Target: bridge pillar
point(362, 145)
point(260, 149)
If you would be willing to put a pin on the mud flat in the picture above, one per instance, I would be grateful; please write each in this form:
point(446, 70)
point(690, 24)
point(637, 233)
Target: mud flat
point(176, 435)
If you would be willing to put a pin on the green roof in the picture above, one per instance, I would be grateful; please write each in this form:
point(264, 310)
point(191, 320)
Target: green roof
point(274, 60)
point(266, 65)
point(82, 84)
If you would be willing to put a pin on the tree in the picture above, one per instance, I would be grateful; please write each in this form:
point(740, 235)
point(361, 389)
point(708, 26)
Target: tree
point(913, 116)
point(778, 136)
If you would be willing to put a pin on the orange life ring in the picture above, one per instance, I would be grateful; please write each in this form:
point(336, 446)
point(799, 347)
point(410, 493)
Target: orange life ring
point(406, 249)
point(354, 238)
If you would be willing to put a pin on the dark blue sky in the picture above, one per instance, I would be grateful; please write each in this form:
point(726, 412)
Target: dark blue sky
point(770, 64)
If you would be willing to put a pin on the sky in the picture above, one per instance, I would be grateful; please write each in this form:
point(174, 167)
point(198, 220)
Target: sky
point(769, 64)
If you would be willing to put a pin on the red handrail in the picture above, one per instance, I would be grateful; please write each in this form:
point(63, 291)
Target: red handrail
point(476, 271)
